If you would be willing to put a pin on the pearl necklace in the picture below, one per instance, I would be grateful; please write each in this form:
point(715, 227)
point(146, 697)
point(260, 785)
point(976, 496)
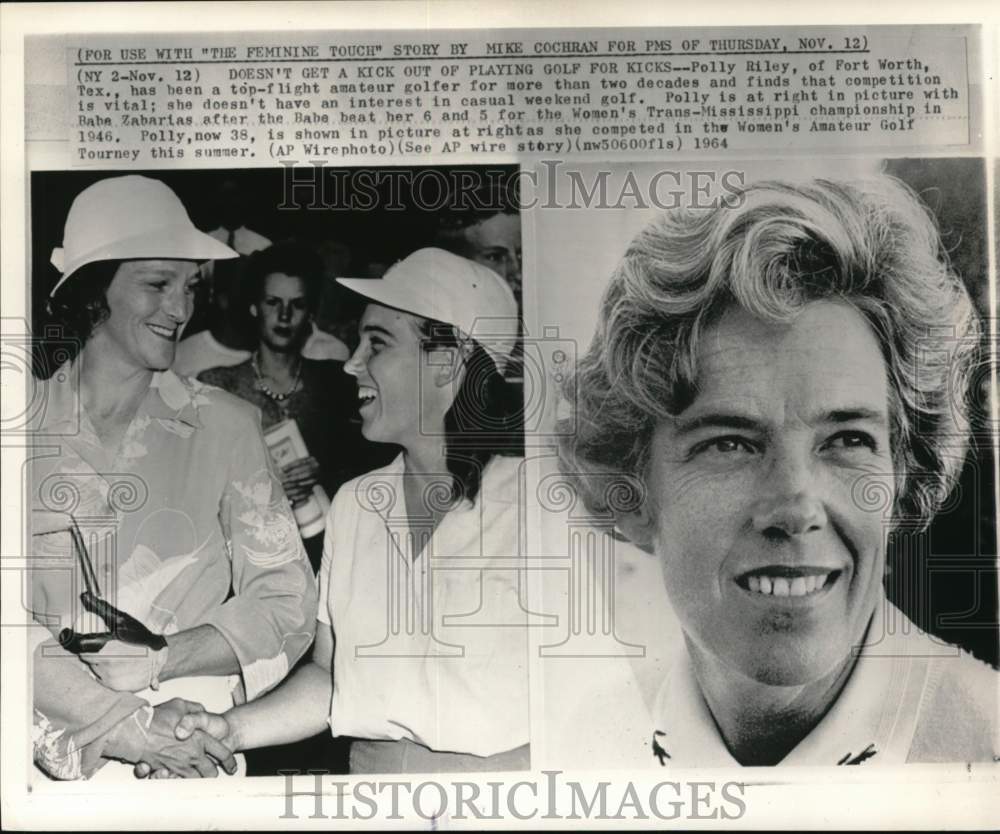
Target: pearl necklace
point(264, 388)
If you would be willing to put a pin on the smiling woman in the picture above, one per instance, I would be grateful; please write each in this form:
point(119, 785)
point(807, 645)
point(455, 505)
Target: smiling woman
point(400, 640)
point(159, 502)
point(757, 371)
point(148, 303)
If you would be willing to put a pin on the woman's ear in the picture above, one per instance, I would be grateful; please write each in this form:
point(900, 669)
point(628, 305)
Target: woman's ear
point(253, 310)
point(446, 366)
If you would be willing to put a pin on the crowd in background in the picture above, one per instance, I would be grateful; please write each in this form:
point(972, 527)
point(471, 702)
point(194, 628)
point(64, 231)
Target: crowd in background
point(273, 327)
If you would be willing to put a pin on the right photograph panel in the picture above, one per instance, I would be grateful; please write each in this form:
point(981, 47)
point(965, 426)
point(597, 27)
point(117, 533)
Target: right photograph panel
point(767, 513)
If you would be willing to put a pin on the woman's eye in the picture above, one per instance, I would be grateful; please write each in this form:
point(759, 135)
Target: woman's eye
point(725, 446)
point(852, 440)
point(495, 256)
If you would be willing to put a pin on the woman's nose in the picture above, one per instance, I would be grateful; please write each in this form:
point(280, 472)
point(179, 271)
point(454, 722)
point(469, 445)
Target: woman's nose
point(790, 503)
point(178, 304)
point(514, 273)
point(354, 365)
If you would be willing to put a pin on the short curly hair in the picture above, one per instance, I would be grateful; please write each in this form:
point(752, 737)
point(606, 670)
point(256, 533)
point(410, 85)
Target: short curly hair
point(770, 250)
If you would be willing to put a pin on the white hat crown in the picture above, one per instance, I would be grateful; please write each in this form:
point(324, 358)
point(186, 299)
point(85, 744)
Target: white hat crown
point(439, 285)
point(130, 217)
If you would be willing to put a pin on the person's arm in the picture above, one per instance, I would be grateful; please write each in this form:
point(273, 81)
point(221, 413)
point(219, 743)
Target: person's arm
point(201, 650)
point(298, 709)
point(79, 723)
point(268, 623)
point(75, 717)
point(270, 620)
point(127, 667)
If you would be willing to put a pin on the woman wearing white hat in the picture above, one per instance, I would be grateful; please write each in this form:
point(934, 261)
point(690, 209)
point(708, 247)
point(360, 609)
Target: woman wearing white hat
point(175, 524)
point(419, 583)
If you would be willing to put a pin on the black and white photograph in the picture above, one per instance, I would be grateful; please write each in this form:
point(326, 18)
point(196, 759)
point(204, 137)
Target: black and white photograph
point(253, 401)
point(429, 415)
point(780, 469)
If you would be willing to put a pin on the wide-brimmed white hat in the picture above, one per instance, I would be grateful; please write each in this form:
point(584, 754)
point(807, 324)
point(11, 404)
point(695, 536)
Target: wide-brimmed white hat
point(122, 218)
point(439, 285)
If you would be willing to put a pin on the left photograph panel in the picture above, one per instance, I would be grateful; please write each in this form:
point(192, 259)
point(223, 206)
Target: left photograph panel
point(276, 456)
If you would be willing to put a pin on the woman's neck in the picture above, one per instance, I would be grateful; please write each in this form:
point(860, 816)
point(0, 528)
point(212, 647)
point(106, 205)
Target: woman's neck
point(278, 365)
point(110, 389)
point(761, 723)
point(426, 488)
point(426, 460)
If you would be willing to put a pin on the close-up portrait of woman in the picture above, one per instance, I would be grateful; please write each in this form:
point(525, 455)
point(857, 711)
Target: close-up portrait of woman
point(782, 382)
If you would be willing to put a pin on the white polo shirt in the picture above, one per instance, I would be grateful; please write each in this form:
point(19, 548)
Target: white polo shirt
point(910, 698)
point(431, 641)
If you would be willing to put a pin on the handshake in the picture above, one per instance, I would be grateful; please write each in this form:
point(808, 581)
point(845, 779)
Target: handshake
point(184, 740)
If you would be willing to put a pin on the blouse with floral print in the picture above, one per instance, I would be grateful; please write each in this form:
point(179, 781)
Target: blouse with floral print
point(186, 525)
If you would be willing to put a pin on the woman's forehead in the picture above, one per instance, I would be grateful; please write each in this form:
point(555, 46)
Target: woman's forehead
point(281, 283)
point(827, 353)
point(165, 267)
point(397, 322)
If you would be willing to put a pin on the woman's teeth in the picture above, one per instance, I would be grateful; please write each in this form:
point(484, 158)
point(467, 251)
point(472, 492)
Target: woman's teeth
point(165, 332)
point(783, 586)
point(366, 395)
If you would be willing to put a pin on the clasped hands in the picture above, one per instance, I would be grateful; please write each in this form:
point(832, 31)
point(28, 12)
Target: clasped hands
point(184, 740)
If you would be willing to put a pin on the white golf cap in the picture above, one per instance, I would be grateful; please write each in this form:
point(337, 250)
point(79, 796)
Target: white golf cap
point(439, 285)
point(123, 218)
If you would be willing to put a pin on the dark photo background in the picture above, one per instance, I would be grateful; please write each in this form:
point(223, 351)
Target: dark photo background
point(946, 580)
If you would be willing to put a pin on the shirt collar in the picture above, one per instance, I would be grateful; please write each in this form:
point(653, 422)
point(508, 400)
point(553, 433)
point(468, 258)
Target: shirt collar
point(170, 398)
point(175, 398)
point(60, 398)
point(873, 718)
point(394, 472)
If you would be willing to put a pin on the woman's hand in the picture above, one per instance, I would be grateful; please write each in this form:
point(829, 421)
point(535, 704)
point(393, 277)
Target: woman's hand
point(298, 479)
point(192, 727)
point(192, 751)
point(126, 667)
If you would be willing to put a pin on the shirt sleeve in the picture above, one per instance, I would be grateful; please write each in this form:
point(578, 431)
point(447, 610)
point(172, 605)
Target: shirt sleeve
point(323, 613)
point(271, 618)
point(74, 713)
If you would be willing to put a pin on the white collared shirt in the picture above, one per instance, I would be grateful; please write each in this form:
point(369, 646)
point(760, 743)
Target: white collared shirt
point(430, 646)
point(910, 698)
